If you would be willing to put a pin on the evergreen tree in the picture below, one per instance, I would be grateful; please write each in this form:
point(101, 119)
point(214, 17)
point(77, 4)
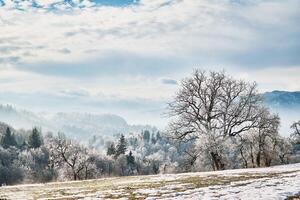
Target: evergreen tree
point(121, 147)
point(158, 136)
point(146, 136)
point(130, 159)
point(130, 163)
point(153, 139)
point(8, 139)
point(35, 139)
point(111, 150)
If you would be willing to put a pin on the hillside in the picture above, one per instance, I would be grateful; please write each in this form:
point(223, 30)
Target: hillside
point(277, 182)
point(85, 125)
point(81, 126)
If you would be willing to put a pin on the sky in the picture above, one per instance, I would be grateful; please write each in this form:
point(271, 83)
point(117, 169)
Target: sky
point(127, 57)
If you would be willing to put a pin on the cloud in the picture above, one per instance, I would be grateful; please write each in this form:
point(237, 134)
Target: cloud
point(205, 32)
point(8, 49)
point(107, 64)
point(75, 93)
point(281, 78)
point(169, 81)
point(124, 48)
point(64, 51)
point(10, 59)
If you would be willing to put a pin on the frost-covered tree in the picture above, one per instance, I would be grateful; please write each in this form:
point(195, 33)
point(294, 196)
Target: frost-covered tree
point(72, 156)
point(11, 171)
point(213, 107)
point(296, 132)
point(284, 150)
point(263, 146)
point(39, 167)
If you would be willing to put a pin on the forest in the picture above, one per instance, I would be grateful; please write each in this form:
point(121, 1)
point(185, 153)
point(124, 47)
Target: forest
point(217, 122)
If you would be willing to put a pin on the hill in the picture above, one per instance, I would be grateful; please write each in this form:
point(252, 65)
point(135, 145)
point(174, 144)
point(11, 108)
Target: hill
point(80, 126)
point(282, 99)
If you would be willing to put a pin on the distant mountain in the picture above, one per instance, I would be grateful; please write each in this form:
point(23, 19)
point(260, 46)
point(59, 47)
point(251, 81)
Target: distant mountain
point(81, 126)
point(282, 99)
point(287, 105)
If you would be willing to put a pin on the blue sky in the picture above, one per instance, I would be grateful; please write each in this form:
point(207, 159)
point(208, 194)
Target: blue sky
point(127, 57)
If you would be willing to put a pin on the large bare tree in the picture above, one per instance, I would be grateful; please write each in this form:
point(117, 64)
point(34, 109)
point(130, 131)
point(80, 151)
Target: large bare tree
point(212, 107)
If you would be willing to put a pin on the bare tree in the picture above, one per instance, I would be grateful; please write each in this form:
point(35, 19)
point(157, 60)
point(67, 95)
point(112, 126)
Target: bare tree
point(267, 133)
point(296, 127)
point(284, 149)
point(73, 156)
point(260, 144)
point(296, 131)
point(213, 107)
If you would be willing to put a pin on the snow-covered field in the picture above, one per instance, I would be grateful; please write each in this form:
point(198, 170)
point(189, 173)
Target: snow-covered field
point(278, 182)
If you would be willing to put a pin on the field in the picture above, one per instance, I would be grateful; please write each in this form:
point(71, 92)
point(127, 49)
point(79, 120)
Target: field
point(280, 182)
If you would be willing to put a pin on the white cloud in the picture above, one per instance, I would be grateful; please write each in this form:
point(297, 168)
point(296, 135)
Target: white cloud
point(128, 51)
point(277, 78)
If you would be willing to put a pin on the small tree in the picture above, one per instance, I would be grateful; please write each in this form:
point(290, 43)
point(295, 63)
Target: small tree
point(121, 147)
point(8, 139)
point(296, 132)
point(74, 157)
point(146, 136)
point(130, 163)
point(10, 170)
point(35, 139)
point(111, 149)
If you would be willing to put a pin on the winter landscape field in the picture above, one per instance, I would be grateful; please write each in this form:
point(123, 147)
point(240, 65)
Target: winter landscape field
point(149, 99)
point(279, 182)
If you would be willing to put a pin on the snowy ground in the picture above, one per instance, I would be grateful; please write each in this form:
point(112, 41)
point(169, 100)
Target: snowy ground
point(277, 182)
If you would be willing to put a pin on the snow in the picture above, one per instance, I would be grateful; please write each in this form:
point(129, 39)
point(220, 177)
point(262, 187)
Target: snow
point(266, 188)
point(277, 182)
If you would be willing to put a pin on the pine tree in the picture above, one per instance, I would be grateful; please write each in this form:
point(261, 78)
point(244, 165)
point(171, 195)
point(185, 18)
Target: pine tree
point(130, 159)
point(153, 139)
point(35, 139)
point(111, 150)
point(8, 139)
point(130, 163)
point(146, 136)
point(158, 136)
point(121, 147)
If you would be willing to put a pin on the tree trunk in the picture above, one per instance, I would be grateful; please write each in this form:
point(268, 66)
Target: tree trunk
point(74, 176)
point(252, 156)
point(268, 160)
point(218, 164)
point(244, 159)
point(258, 157)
